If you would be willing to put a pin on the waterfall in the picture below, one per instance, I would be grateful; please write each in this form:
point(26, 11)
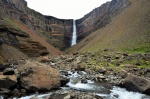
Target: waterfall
point(74, 36)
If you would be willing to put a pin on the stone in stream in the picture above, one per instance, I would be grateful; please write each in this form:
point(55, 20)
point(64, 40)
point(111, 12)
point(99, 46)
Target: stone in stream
point(16, 93)
point(64, 81)
point(137, 84)
point(74, 95)
point(83, 81)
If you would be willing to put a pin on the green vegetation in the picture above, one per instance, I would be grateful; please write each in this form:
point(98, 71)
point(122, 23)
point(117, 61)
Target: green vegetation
point(141, 49)
point(115, 60)
point(128, 32)
point(12, 23)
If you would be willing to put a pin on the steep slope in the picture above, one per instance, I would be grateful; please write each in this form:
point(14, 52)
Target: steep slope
point(99, 17)
point(53, 30)
point(38, 39)
point(129, 31)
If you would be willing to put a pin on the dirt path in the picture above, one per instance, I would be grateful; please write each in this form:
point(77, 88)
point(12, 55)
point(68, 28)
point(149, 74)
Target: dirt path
point(39, 39)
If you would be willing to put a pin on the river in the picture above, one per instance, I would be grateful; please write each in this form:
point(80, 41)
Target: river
point(93, 87)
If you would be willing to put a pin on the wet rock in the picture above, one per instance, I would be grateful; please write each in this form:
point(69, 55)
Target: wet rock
point(116, 95)
point(35, 76)
point(65, 73)
point(137, 84)
point(4, 91)
point(8, 71)
point(57, 96)
point(35, 97)
point(16, 93)
point(84, 81)
point(64, 81)
point(23, 92)
point(8, 82)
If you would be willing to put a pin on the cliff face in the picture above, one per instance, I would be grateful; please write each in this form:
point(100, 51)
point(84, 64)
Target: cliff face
point(99, 17)
point(50, 28)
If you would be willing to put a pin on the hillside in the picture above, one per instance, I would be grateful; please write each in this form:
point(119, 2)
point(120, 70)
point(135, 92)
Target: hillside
point(128, 31)
point(31, 33)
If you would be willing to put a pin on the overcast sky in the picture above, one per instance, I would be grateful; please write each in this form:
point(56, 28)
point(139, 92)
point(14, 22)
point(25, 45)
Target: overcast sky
point(65, 9)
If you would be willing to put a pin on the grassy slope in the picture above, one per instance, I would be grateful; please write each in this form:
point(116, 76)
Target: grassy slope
point(129, 31)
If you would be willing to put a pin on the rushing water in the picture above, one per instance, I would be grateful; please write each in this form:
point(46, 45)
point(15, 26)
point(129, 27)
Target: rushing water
point(91, 86)
point(74, 36)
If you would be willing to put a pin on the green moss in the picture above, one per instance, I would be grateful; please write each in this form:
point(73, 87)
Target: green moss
point(12, 23)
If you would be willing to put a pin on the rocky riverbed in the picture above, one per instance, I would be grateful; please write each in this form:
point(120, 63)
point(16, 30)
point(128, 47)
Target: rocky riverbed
point(78, 76)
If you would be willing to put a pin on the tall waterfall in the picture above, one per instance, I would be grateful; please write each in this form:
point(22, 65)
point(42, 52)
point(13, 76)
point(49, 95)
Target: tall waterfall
point(74, 36)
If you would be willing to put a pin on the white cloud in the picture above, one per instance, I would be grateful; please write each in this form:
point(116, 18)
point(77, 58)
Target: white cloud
point(65, 9)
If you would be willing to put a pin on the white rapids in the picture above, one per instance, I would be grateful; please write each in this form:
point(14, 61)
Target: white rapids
point(91, 86)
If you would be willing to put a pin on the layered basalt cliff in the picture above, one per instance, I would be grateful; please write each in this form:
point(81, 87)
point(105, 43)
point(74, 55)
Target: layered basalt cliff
point(21, 27)
point(99, 17)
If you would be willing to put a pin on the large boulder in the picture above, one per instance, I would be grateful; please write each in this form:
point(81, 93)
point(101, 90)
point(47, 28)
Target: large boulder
point(35, 76)
point(137, 84)
point(8, 82)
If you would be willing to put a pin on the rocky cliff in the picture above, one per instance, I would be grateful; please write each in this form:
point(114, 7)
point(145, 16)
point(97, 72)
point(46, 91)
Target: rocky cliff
point(55, 31)
point(99, 17)
point(30, 31)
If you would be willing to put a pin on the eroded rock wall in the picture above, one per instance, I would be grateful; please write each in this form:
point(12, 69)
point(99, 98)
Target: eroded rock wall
point(55, 31)
point(99, 17)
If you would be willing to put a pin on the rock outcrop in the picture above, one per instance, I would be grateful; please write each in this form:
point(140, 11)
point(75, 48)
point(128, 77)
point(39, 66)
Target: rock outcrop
point(17, 21)
point(99, 17)
point(38, 77)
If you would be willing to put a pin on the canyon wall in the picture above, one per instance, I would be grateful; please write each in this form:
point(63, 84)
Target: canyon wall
point(56, 32)
point(99, 17)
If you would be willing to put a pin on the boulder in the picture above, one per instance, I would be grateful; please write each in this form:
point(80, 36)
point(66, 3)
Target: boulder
point(8, 82)
point(16, 93)
point(8, 71)
point(64, 81)
point(137, 84)
point(80, 67)
point(35, 76)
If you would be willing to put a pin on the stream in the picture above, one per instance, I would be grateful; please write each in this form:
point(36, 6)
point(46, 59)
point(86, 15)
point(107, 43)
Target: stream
point(76, 83)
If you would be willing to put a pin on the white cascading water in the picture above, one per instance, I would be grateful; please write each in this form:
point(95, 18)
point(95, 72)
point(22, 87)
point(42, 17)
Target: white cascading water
point(74, 36)
point(75, 83)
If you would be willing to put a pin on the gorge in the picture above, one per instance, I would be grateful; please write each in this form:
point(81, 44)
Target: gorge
point(103, 55)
